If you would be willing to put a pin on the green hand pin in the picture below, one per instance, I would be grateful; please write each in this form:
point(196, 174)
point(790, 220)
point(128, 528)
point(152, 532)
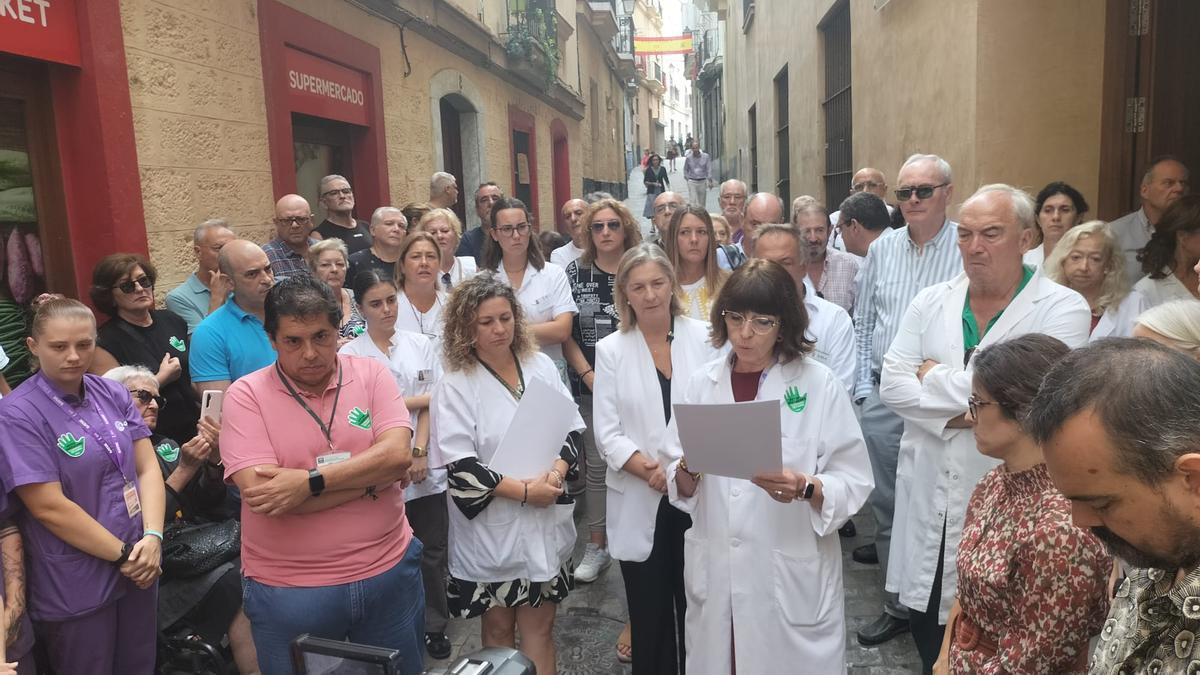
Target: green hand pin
point(795, 400)
point(177, 344)
point(168, 452)
point(360, 418)
point(70, 445)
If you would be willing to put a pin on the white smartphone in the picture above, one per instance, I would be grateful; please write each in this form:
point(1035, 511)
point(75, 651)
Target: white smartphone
point(210, 404)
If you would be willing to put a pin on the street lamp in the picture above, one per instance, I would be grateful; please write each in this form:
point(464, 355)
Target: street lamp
point(628, 6)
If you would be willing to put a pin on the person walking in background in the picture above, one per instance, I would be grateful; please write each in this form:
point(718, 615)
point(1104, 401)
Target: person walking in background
point(697, 170)
point(655, 178)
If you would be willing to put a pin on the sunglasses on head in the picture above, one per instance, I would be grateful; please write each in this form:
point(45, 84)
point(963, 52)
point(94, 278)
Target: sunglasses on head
point(144, 397)
point(599, 225)
point(128, 287)
point(923, 192)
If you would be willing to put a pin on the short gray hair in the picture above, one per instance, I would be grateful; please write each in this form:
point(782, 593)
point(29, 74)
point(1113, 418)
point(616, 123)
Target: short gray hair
point(439, 182)
point(380, 213)
point(1151, 419)
point(327, 180)
point(127, 375)
point(1024, 209)
point(210, 224)
point(331, 244)
point(942, 165)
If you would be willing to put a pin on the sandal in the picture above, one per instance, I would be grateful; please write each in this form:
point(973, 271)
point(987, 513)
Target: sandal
point(625, 646)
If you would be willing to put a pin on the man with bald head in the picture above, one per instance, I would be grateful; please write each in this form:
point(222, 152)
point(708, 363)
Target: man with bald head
point(338, 199)
point(231, 342)
point(389, 227)
point(732, 199)
point(870, 181)
point(762, 208)
point(288, 251)
point(443, 190)
point(572, 212)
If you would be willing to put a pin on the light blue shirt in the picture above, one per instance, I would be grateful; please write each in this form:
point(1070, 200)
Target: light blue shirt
point(190, 300)
point(892, 274)
point(228, 344)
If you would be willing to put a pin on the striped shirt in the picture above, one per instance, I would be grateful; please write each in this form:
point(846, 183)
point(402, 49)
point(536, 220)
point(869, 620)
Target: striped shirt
point(892, 274)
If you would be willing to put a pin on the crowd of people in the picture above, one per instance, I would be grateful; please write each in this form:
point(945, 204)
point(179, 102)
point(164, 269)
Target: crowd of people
point(1013, 396)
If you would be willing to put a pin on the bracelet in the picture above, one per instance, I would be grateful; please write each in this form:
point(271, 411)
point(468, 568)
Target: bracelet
point(586, 372)
point(696, 475)
point(526, 497)
point(152, 533)
point(555, 472)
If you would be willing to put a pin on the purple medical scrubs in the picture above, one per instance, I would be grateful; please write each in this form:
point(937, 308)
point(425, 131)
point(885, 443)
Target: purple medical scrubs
point(93, 619)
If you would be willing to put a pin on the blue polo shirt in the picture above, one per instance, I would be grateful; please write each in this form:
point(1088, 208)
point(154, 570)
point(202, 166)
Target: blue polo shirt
point(228, 344)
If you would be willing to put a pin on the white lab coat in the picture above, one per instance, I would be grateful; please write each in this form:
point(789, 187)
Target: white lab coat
point(627, 416)
point(773, 571)
point(830, 326)
point(1118, 321)
point(463, 269)
point(938, 468)
point(430, 324)
point(506, 541)
point(415, 364)
point(1161, 291)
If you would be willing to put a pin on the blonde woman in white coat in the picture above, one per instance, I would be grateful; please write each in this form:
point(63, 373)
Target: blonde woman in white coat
point(1088, 260)
point(640, 371)
point(762, 562)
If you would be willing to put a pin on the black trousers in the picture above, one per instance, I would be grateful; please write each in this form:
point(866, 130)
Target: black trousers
point(430, 521)
point(654, 591)
point(926, 631)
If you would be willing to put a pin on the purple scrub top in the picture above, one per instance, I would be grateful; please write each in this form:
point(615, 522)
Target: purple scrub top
point(41, 443)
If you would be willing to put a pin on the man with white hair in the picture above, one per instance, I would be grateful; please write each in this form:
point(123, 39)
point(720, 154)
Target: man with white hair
point(927, 381)
point(898, 265)
point(1165, 181)
point(732, 199)
point(204, 290)
point(389, 227)
point(338, 199)
point(443, 190)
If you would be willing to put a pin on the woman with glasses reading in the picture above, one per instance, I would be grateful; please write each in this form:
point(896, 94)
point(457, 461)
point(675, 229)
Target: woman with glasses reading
point(1030, 584)
point(694, 257)
point(611, 230)
point(762, 562)
point(137, 334)
point(512, 251)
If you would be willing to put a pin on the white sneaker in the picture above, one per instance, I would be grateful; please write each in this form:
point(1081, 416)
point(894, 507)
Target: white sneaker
point(595, 560)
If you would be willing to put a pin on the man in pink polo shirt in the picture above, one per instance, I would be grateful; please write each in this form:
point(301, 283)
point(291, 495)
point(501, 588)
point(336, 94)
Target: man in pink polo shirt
point(319, 445)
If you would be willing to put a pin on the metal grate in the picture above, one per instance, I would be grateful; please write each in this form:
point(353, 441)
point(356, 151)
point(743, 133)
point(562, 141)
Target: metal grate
point(839, 126)
point(783, 170)
point(753, 124)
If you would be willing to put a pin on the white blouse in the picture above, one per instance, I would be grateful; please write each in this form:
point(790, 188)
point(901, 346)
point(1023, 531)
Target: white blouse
point(463, 269)
point(544, 294)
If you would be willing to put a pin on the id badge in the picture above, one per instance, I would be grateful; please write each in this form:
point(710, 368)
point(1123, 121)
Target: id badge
point(424, 375)
point(332, 458)
point(132, 504)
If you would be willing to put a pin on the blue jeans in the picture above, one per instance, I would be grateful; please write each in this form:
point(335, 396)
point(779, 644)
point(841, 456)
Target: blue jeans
point(387, 610)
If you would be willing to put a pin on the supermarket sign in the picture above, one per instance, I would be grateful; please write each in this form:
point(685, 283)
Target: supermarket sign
point(325, 89)
point(40, 29)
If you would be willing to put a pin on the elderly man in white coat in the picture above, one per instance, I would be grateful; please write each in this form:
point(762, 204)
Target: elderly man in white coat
point(762, 562)
point(926, 380)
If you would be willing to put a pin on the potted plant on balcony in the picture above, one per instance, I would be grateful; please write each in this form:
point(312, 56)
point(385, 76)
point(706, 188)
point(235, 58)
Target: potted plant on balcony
point(532, 45)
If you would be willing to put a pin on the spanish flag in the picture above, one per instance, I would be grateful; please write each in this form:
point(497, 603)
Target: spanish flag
point(681, 44)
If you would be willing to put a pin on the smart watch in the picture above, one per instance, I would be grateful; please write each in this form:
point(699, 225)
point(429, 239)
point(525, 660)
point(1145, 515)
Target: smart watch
point(316, 482)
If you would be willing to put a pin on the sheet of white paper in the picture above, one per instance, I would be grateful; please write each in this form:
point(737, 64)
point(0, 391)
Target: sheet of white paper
point(737, 440)
point(536, 433)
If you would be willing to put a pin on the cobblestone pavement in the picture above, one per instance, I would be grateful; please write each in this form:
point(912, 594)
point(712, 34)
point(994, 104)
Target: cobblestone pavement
point(591, 618)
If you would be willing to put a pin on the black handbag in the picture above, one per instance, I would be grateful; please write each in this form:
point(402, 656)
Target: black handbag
point(192, 549)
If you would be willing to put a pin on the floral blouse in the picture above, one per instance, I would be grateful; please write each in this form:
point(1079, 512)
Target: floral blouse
point(1031, 581)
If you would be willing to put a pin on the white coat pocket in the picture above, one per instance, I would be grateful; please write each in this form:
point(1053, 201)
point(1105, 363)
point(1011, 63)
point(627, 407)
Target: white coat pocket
point(801, 587)
point(695, 569)
point(500, 512)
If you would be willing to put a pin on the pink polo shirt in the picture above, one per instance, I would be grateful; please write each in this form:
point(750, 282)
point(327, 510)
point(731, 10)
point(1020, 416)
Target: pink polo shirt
point(262, 424)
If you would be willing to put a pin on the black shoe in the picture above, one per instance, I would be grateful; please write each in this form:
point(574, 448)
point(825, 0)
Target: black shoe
point(881, 630)
point(848, 530)
point(865, 554)
point(438, 645)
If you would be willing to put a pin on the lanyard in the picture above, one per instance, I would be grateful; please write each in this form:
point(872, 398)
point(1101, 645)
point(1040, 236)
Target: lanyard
point(107, 440)
point(520, 390)
point(326, 429)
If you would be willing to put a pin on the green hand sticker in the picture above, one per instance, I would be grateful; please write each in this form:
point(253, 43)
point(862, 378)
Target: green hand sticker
point(360, 418)
point(795, 400)
point(177, 344)
point(168, 452)
point(70, 445)
point(358, 330)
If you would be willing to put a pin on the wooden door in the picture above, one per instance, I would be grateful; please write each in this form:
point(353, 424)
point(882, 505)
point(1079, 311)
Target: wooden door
point(452, 155)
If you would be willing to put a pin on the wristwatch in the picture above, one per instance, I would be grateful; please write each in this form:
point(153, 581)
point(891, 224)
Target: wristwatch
point(809, 489)
point(418, 451)
point(126, 549)
point(316, 482)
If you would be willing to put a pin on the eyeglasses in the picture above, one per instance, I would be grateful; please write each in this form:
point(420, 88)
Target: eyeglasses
point(144, 397)
point(669, 206)
point(345, 192)
point(131, 285)
point(510, 230)
point(974, 403)
point(759, 325)
point(923, 192)
point(599, 226)
point(292, 221)
point(865, 185)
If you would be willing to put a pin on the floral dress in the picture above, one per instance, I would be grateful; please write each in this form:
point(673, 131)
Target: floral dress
point(1031, 585)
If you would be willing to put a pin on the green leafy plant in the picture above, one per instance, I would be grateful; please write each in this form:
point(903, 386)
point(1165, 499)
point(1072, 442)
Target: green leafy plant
point(535, 29)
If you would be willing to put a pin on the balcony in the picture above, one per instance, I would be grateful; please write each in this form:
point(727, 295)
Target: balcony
point(623, 43)
point(532, 41)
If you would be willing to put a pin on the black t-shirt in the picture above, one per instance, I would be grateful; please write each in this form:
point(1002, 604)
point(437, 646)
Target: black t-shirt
point(136, 345)
point(471, 245)
point(356, 239)
point(366, 260)
point(592, 289)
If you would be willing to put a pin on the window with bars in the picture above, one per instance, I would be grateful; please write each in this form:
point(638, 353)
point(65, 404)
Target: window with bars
point(839, 156)
point(783, 170)
point(753, 126)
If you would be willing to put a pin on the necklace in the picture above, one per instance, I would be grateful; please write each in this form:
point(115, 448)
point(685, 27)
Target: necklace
point(516, 392)
point(420, 316)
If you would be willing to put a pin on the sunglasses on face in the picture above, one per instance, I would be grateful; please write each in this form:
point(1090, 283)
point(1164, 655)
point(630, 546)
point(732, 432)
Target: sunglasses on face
point(599, 226)
point(923, 192)
point(130, 286)
point(346, 192)
point(144, 397)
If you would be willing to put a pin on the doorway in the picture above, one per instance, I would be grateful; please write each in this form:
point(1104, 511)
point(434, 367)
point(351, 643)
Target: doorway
point(560, 166)
point(321, 147)
point(452, 154)
point(522, 168)
point(1150, 98)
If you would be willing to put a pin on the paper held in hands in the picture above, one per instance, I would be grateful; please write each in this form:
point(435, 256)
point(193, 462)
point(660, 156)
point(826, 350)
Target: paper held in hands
point(736, 440)
point(536, 433)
